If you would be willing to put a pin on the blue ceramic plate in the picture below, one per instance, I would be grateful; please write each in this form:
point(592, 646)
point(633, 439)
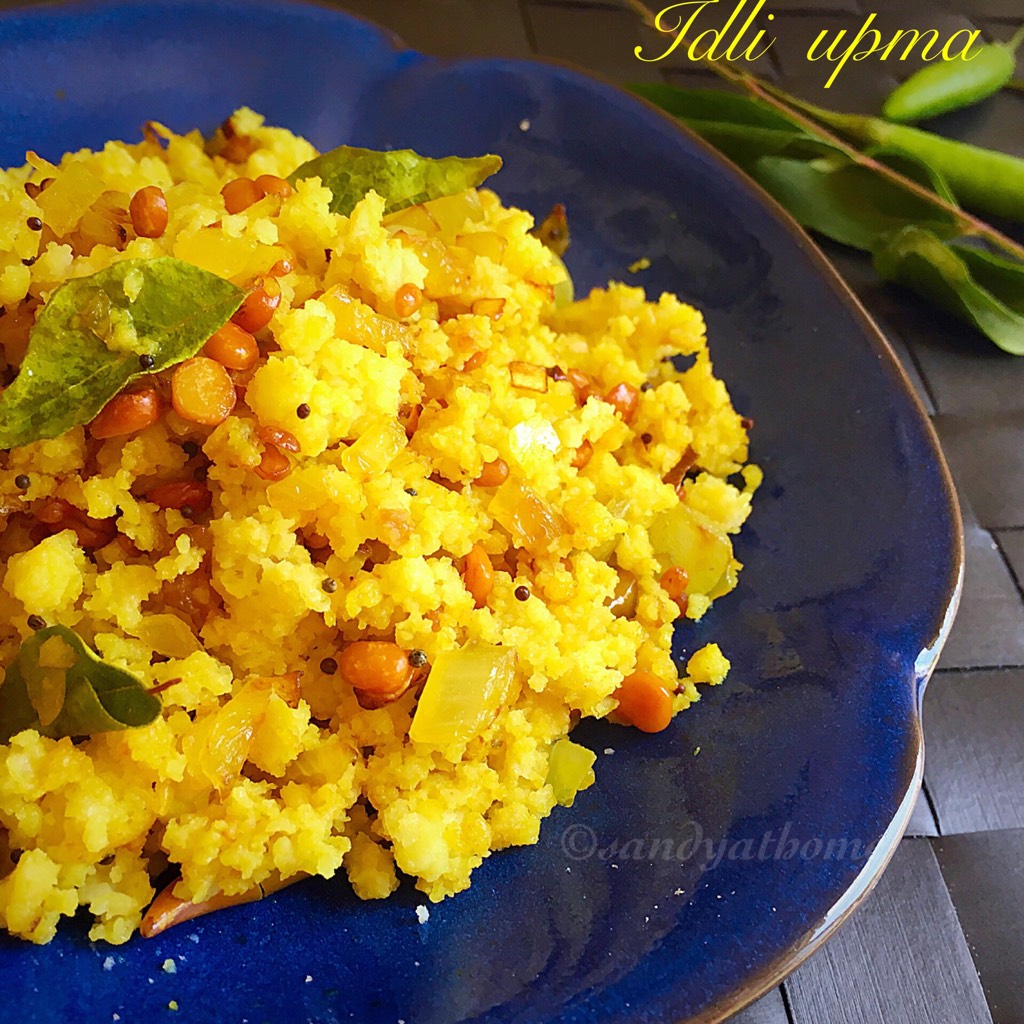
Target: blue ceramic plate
point(710, 859)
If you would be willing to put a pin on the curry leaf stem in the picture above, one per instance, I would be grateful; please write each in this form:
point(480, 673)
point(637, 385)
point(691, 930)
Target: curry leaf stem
point(809, 117)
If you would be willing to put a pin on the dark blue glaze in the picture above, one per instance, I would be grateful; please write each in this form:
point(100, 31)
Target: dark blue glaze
point(852, 559)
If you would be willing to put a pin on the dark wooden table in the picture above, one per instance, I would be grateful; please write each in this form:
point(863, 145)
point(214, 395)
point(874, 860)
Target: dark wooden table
point(941, 939)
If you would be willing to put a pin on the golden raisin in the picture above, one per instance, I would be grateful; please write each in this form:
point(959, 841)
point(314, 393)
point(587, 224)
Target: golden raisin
point(585, 385)
point(238, 148)
point(53, 511)
point(674, 582)
point(583, 455)
point(409, 417)
point(478, 575)
point(408, 299)
point(624, 398)
point(181, 494)
point(56, 515)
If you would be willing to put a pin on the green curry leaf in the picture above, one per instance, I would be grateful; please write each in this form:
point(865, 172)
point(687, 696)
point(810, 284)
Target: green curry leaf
point(986, 291)
point(846, 202)
point(91, 696)
point(402, 177)
point(914, 242)
point(86, 343)
point(714, 105)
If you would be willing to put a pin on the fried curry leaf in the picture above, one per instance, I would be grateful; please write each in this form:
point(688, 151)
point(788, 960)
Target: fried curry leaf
point(60, 687)
point(402, 177)
point(86, 344)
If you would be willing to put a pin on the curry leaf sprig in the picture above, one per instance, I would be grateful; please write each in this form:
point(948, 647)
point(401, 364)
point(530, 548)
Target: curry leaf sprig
point(890, 190)
point(58, 686)
point(896, 207)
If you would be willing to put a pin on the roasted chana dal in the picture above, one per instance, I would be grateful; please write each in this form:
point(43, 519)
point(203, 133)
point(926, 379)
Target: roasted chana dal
point(325, 515)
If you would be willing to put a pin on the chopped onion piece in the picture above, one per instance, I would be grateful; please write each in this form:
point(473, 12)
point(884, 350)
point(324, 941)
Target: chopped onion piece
point(570, 770)
point(533, 523)
point(484, 243)
point(682, 537)
point(528, 376)
point(462, 694)
point(166, 634)
point(492, 308)
point(526, 437)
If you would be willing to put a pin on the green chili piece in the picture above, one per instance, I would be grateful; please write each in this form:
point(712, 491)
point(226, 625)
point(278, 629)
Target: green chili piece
point(954, 84)
point(981, 179)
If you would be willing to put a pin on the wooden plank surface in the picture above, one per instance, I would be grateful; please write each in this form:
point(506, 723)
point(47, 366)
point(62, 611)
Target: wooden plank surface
point(900, 959)
point(974, 742)
point(984, 873)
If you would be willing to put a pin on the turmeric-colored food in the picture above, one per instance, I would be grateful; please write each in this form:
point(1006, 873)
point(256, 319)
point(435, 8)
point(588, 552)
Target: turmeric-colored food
point(325, 514)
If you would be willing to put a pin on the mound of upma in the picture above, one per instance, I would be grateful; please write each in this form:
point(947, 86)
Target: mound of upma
point(323, 522)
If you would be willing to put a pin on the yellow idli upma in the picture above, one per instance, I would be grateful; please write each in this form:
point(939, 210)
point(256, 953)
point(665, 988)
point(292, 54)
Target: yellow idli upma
point(356, 563)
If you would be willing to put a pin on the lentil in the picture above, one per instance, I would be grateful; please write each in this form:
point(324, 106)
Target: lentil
point(202, 391)
point(232, 346)
point(258, 306)
point(240, 194)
